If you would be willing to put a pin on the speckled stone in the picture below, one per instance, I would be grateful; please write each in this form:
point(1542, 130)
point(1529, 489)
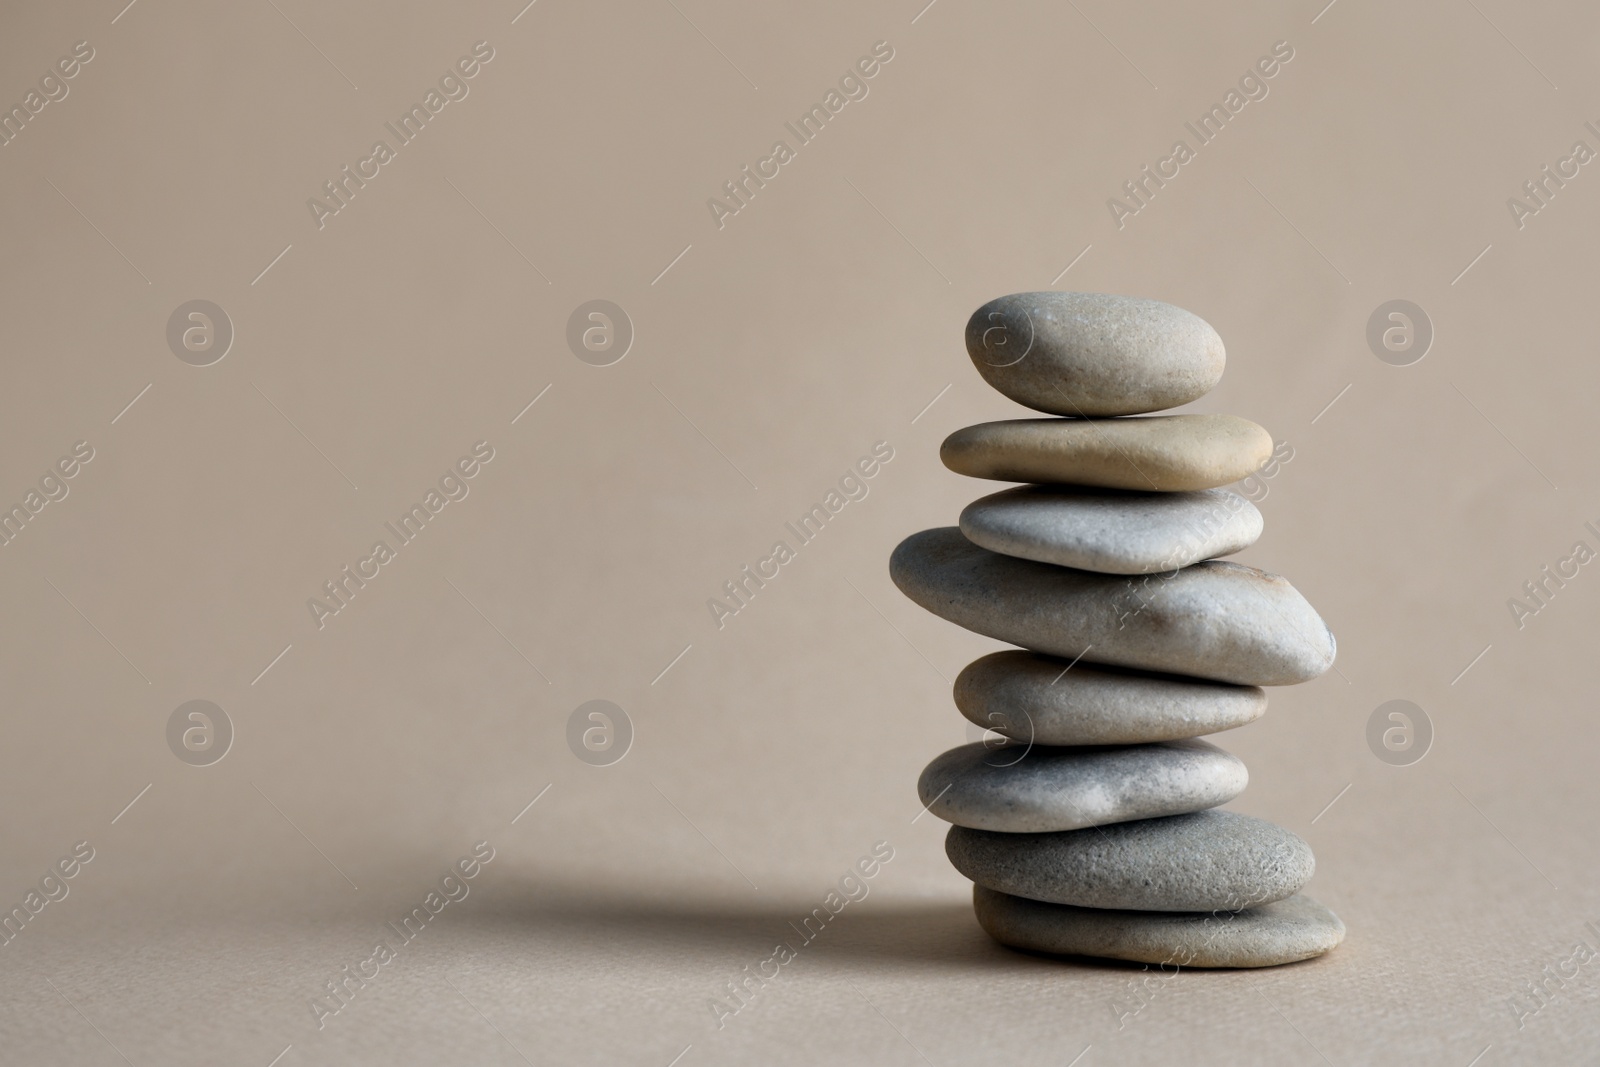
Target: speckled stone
point(1030, 697)
point(1159, 453)
point(1213, 620)
point(1204, 861)
point(1029, 789)
point(1296, 928)
point(1112, 531)
point(1093, 353)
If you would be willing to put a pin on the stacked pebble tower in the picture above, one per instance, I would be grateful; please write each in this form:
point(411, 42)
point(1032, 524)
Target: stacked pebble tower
point(1092, 828)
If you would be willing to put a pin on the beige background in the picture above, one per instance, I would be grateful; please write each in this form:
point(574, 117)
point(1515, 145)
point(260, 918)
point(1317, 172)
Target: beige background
point(773, 353)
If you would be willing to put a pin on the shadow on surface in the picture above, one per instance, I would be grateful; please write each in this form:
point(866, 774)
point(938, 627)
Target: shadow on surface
point(878, 930)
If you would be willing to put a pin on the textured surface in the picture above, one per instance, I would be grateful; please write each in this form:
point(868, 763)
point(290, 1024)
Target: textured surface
point(1093, 354)
point(1158, 453)
point(1109, 531)
point(1214, 620)
point(1023, 788)
point(1032, 697)
point(1296, 928)
point(1205, 861)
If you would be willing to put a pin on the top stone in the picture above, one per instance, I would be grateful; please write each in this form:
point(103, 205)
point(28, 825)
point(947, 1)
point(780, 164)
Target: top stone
point(1094, 354)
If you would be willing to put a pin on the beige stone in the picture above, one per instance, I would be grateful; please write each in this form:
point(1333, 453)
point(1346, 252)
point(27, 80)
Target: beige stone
point(1160, 453)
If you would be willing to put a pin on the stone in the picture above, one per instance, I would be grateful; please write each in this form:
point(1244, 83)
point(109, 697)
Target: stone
point(1029, 697)
point(1203, 861)
point(1216, 620)
point(1112, 531)
point(1158, 453)
point(1296, 928)
point(1018, 788)
point(1093, 354)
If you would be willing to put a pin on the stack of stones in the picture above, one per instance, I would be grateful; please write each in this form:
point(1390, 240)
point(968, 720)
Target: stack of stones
point(1092, 827)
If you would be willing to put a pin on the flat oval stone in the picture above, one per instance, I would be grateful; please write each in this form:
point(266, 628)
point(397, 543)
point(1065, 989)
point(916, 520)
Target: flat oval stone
point(1029, 697)
point(1094, 353)
point(1112, 531)
point(1161, 453)
point(1286, 931)
point(1018, 788)
point(1214, 620)
point(1204, 861)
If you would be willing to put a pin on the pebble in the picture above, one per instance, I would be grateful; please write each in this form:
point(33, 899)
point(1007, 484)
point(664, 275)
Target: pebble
point(1112, 531)
point(1296, 928)
point(1159, 453)
point(1030, 697)
point(1019, 788)
point(1215, 620)
point(1203, 861)
point(1093, 353)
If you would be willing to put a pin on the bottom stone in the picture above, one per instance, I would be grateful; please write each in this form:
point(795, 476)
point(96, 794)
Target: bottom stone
point(1284, 931)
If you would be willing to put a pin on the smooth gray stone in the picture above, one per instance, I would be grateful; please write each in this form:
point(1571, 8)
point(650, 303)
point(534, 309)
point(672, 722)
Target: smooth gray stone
point(1093, 353)
point(1204, 861)
point(1110, 531)
point(1029, 697)
point(1297, 928)
point(1018, 788)
point(1214, 620)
